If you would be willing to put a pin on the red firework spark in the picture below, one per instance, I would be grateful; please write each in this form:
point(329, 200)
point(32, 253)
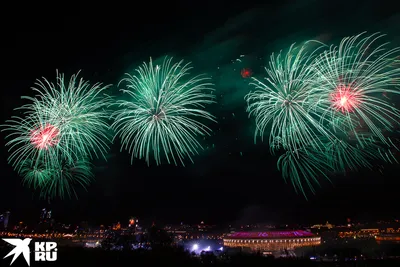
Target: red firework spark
point(45, 137)
point(345, 98)
point(246, 73)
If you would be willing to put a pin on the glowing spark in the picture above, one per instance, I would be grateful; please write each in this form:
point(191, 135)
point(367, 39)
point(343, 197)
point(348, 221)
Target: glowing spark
point(345, 99)
point(45, 137)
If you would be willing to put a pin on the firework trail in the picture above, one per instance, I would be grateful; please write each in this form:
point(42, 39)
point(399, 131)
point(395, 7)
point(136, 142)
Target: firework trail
point(59, 180)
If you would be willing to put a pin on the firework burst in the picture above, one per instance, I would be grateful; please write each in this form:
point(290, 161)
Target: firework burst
point(78, 113)
point(33, 139)
point(304, 169)
point(281, 103)
point(67, 119)
point(352, 80)
point(59, 180)
point(164, 112)
point(329, 110)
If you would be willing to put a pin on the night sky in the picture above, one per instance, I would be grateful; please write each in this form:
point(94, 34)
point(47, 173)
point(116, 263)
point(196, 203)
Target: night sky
point(234, 181)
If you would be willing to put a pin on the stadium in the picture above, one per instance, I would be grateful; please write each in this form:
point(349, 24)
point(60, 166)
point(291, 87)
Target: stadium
point(272, 241)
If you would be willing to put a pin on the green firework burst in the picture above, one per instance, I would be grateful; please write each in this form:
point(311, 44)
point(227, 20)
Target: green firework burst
point(164, 113)
point(58, 180)
point(282, 104)
point(331, 109)
point(304, 169)
point(67, 119)
point(355, 81)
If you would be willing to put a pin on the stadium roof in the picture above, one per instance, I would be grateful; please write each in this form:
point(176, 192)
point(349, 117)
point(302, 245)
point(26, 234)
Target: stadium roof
point(270, 235)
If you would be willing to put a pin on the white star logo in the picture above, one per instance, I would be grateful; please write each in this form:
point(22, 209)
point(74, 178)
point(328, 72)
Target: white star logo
point(21, 246)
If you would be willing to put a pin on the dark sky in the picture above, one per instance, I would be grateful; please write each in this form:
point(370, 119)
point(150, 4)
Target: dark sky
point(222, 186)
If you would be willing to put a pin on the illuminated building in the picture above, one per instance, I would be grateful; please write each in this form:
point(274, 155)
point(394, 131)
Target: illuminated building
point(193, 232)
point(362, 233)
point(45, 219)
point(4, 219)
point(319, 226)
point(45, 215)
point(202, 227)
point(271, 241)
point(117, 226)
point(132, 222)
point(389, 238)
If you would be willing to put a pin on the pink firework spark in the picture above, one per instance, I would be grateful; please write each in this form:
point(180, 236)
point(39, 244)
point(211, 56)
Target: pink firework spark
point(45, 137)
point(345, 98)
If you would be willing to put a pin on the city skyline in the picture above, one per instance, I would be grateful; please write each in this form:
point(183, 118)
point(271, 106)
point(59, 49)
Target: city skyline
point(46, 215)
point(238, 180)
